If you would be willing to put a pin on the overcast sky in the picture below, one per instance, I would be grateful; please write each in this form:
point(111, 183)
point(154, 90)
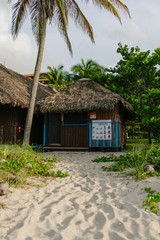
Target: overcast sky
point(143, 29)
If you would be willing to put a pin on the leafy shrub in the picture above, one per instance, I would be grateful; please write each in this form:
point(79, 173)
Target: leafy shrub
point(137, 158)
point(152, 199)
point(17, 163)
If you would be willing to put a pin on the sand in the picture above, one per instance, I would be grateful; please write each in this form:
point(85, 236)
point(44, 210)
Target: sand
point(89, 204)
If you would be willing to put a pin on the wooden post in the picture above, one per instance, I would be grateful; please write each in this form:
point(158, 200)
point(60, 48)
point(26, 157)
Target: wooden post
point(116, 134)
point(62, 118)
point(90, 134)
point(1, 134)
point(44, 134)
point(14, 134)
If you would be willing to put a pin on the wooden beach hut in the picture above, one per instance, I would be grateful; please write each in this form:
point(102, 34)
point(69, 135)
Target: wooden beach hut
point(85, 115)
point(15, 91)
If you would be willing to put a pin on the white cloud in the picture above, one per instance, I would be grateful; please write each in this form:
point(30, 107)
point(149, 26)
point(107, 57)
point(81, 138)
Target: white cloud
point(17, 54)
point(142, 30)
point(131, 32)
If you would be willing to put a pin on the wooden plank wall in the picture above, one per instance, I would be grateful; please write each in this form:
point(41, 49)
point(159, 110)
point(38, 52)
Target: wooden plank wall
point(53, 128)
point(75, 136)
point(11, 118)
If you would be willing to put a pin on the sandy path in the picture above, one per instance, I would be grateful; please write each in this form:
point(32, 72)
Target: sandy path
point(89, 204)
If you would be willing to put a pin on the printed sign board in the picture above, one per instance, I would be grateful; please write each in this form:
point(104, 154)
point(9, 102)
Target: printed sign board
point(101, 130)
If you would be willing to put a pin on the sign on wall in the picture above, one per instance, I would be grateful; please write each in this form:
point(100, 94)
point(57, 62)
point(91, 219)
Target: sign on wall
point(92, 115)
point(101, 130)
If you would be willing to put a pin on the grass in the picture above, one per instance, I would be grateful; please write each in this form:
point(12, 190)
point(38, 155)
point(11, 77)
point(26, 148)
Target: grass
point(137, 159)
point(109, 158)
point(137, 142)
point(18, 163)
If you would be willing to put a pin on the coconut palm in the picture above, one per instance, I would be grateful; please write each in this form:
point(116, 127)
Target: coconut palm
point(57, 77)
point(86, 69)
point(43, 11)
point(89, 69)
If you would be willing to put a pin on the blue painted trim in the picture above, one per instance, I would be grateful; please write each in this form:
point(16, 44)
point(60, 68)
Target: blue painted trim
point(103, 122)
point(110, 143)
point(90, 134)
point(75, 124)
point(104, 143)
point(97, 143)
point(44, 134)
point(116, 134)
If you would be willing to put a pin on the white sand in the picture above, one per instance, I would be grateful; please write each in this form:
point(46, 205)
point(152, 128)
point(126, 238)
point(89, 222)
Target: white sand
point(89, 204)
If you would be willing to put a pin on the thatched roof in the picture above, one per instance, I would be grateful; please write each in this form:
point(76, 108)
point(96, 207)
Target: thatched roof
point(15, 89)
point(83, 96)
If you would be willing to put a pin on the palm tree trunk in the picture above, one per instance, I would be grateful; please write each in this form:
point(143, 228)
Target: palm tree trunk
point(29, 119)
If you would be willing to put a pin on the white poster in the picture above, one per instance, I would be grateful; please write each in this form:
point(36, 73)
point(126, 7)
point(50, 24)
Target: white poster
point(101, 130)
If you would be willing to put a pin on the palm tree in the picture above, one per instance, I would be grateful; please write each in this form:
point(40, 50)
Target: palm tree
point(57, 77)
point(86, 70)
point(89, 69)
point(44, 11)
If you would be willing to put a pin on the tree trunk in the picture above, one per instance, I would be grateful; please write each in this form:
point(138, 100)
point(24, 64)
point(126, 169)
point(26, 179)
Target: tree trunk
point(29, 119)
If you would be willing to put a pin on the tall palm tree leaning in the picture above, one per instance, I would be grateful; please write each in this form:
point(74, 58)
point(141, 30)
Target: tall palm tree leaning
point(45, 11)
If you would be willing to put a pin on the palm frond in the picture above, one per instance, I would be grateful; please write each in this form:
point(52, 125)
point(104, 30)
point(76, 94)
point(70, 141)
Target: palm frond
point(61, 21)
point(108, 6)
point(121, 5)
point(79, 18)
point(19, 15)
point(35, 20)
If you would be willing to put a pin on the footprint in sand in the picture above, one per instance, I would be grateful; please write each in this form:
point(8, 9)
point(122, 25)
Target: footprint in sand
point(118, 226)
point(66, 222)
point(135, 228)
point(98, 235)
point(99, 220)
point(115, 236)
point(45, 214)
point(90, 181)
point(119, 205)
point(50, 234)
point(108, 209)
point(132, 211)
point(112, 195)
point(113, 185)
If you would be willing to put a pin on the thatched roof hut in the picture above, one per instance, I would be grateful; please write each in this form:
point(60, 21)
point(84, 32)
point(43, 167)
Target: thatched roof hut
point(15, 89)
point(85, 115)
point(83, 96)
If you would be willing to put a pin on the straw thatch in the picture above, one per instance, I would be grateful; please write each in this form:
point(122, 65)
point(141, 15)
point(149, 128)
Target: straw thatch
point(83, 96)
point(15, 89)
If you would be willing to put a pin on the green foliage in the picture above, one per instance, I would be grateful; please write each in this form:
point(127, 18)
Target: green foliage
point(136, 77)
point(17, 163)
point(136, 142)
point(89, 69)
point(152, 199)
point(137, 159)
point(109, 158)
point(58, 78)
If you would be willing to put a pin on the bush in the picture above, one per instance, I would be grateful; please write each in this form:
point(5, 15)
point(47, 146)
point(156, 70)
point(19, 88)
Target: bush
point(17, 163)
point(137, 158)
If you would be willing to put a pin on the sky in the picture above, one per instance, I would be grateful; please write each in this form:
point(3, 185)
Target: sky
point(141, 30)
